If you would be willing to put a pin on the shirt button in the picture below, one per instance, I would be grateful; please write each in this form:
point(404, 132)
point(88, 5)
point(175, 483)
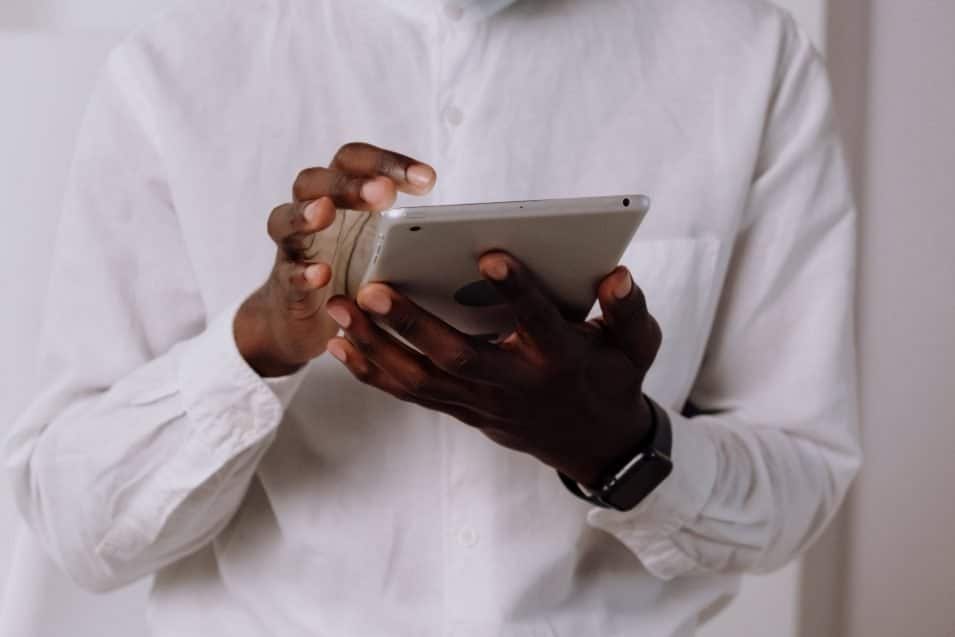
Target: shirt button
point(453, 11)
point(468, 537)
point(454, 115)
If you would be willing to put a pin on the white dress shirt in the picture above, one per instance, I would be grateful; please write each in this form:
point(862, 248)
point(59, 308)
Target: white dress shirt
point(313, 505)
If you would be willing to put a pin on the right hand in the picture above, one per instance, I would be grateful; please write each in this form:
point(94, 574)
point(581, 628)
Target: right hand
point(282, 325)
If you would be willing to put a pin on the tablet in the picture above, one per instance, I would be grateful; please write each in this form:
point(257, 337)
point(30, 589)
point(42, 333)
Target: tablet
point(430, 253)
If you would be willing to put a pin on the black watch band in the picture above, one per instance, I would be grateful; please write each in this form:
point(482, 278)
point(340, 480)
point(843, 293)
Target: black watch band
point(650, 466)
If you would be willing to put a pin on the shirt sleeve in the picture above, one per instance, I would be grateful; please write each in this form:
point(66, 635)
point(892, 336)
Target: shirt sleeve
point(149, 424)
point(761, 471)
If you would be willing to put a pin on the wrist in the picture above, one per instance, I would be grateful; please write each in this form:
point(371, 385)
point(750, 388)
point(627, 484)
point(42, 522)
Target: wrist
point(255, 340)
point(614, 449)
point(630, 484)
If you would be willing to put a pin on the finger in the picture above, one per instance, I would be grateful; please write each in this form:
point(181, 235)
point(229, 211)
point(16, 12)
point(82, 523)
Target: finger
point(300, 279)
point(353, 192)
point(627, 318)
point(293, 226)
point(364, 160)
point(416, 374)
point(450, 350)
point(373, 376)
point(536, 314)
point(303, 285)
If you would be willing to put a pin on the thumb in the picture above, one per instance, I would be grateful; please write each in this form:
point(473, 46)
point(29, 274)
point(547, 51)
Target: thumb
point(627, 319)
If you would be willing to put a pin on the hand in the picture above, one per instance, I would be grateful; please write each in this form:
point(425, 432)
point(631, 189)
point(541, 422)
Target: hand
point(569, 393)
point(281, 327)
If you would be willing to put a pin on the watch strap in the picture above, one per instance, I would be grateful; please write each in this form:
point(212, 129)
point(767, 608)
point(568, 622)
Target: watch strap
point(663, 431)
point(659, 438)
point(574, 487)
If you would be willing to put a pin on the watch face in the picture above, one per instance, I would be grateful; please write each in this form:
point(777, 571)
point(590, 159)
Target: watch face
point(645, 476)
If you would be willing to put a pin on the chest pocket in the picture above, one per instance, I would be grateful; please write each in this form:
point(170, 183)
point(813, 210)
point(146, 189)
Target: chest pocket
point(679, 278)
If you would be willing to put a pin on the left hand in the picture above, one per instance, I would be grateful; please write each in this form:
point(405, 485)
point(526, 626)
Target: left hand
point(568, 393)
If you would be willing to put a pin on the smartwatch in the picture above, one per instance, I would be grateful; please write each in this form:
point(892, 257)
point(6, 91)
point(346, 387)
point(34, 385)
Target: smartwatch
point(630, 484)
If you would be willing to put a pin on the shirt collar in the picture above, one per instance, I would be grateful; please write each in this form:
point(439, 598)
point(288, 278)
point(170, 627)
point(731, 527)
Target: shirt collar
point(453, 10)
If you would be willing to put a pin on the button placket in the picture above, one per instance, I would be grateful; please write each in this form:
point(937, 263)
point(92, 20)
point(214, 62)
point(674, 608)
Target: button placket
point(441, 141)
point(454, 44)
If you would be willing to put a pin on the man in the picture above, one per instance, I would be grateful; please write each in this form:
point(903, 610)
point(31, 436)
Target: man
point(191, 425)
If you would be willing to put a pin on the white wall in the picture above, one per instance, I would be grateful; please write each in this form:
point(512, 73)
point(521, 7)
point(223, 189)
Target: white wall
point(75, 14)
point(767, 606)
point(30, 182)
point(901, 569)
point(45, 80)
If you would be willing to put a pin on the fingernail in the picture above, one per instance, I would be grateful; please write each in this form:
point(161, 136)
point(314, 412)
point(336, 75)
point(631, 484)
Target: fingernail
point(497, 270)
point(375, 301)
point(311, 212)
point(336, 350)
point(375, 190)
point(624, 285)
point(313, 273)
point(420, 175)
point(339, 315)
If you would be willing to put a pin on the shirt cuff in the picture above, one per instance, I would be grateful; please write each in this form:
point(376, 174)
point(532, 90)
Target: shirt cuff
point(230, 410)
point(231, 404)
point(285, 387)
point(648, 529)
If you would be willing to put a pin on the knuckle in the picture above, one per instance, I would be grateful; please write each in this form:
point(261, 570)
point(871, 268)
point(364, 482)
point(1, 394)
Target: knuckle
point(279, 277)
point(340, 182)
point(347, 151)
point(460, 359)
point(297, 281)
point(300, 186)
point(297, 310)
point(362, 343)
point(274, 222)
point(299, 306)
point(416, 381)
point(307, 245)
point(363, 374)
point(389, 164)
point(406, 323)
point(292, 277)
point(299, 248)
